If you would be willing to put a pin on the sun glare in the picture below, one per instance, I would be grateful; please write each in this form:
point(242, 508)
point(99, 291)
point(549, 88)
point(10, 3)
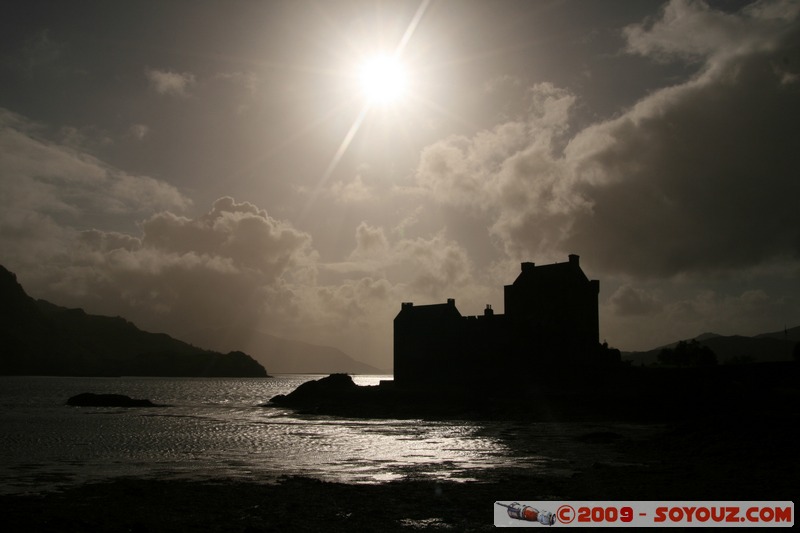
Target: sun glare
point(383, 80)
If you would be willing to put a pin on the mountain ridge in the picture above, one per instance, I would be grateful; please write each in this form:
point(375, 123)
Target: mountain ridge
point(763, 347)
point(41, 338)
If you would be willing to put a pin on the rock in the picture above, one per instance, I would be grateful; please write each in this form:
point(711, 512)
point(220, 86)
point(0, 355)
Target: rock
point(88, 399)
point(333, 387)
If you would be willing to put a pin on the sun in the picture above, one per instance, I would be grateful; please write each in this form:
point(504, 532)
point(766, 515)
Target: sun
point(383, 80)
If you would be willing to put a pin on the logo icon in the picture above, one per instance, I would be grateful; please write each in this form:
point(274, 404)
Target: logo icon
point(518, 511)
point(565, 514)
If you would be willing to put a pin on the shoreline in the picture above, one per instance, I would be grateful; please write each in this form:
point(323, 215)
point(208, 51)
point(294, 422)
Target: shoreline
point(618, 394)
point(733, 439)
point(693, 460)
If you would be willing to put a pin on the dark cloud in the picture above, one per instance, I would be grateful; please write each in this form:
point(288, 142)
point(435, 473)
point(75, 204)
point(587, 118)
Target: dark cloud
point(691, 30)
point(40, 53)
point(699, 176)
point(632, 301)
point(694, 177)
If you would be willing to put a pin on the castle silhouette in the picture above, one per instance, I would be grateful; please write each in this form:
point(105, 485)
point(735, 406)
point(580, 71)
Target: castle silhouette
point(550, 322)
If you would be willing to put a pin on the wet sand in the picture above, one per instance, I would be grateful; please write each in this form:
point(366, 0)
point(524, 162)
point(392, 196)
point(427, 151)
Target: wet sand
point(709, 459)
point(712, 434)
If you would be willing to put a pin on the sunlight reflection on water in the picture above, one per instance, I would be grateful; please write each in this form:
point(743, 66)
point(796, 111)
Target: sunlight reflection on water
point(215, 428)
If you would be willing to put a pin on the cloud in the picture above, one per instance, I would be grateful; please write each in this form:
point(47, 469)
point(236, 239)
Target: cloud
point(238, 92)
point(437, 265)
point(427, 268)
point(691, 30)
point(48, 189)
point(40, 52)
point(349, 313)
point(512, 173)
point(138, 131)
point(246, 80)
point(371, 242)
point(355, 191)
point(189, 276)
point(50, 193)
point(47, 177)
point(632, 301)
point(237, 267)
point(169, 82)
point(695, 177)
point(643, 318)
point(497, 166)
point(355, 307)
point(239, 234)
point(699, 176)
point(750, 312)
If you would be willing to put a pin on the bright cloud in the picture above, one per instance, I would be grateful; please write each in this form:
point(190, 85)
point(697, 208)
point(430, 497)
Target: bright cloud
point(169, 82)
point(47, 189)
point(222, 269)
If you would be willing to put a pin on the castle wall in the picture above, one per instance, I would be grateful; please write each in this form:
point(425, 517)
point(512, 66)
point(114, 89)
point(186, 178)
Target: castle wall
point(551, 320)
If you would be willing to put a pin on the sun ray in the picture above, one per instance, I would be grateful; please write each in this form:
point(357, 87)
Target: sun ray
point(359, 120)
point(412, 27)
point(348, 138)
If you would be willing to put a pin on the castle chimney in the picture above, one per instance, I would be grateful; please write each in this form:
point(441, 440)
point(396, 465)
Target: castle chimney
point(406, 305)
point(574, 259)
point(528, 266)
point(488, 311)
point(451, 302)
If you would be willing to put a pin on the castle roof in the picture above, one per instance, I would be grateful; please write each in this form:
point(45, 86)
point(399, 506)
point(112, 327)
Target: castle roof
point(429, 312)
point(556, 274)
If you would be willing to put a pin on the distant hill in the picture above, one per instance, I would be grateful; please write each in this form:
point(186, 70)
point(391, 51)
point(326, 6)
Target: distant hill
point(285, 356)
point(40, 338)
point(765, 347)
point(290, 356)
point(792, 334)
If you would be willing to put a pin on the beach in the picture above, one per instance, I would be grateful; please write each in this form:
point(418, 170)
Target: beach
point(697, 460)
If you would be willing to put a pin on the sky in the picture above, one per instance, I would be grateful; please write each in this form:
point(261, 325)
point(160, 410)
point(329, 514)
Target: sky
point(199, 166)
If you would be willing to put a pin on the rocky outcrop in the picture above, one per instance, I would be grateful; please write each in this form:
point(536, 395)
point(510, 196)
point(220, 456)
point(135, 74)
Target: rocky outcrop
point(642, 395)
point(333, 388)
point(89, 399)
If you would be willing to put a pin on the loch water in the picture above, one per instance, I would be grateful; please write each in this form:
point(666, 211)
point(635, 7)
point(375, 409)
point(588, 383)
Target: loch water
point(215, 428)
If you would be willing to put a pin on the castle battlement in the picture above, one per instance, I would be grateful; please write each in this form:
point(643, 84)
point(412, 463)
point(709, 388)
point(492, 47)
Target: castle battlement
point(551, 317)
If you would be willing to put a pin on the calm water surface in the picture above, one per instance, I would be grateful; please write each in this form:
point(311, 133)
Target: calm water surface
point(214, 428)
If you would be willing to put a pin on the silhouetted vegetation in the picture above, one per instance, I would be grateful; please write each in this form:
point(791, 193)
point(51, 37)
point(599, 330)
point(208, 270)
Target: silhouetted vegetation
point(734, 349)
point(741, 360)
point(608, 356)
point(688, 353)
